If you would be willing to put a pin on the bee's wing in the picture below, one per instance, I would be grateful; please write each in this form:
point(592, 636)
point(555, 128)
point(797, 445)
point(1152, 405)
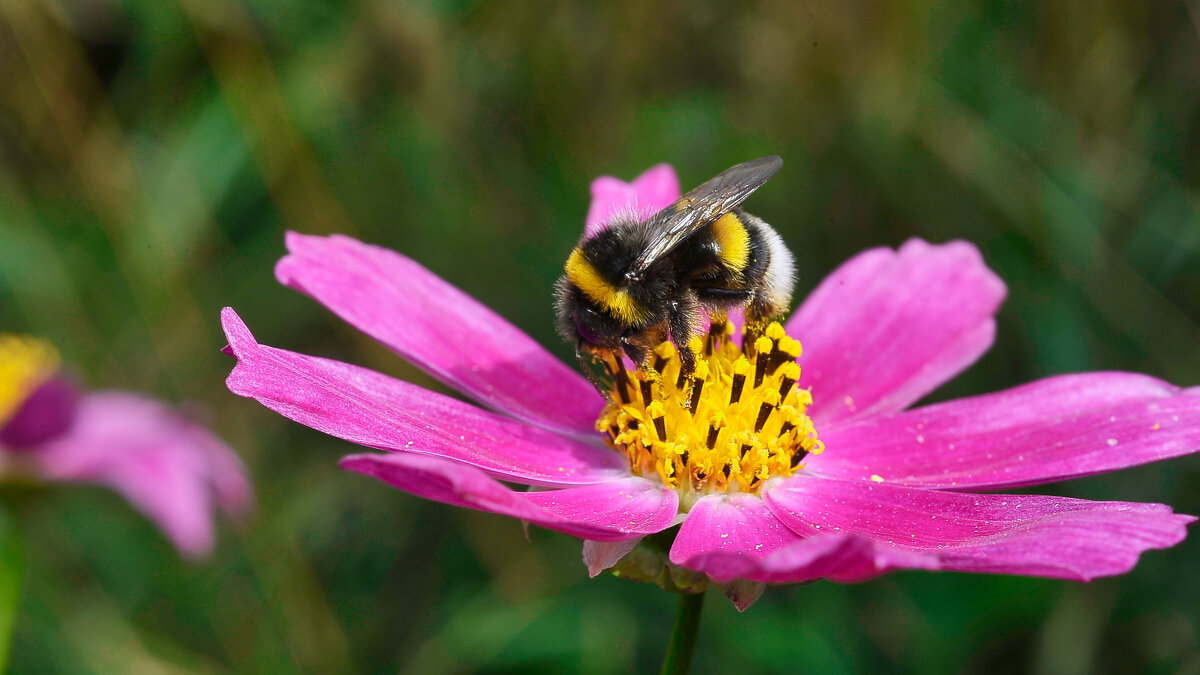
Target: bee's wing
point(701, 206)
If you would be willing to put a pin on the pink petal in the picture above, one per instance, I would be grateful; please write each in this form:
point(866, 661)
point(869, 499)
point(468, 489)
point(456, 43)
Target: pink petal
point(840, 557)
point(835, 556)
point(227, 475)
point(170, 469)
point(371, 409)
point(725, 536)
point(737, 317)
point(648, 194)
point(1052, 429)
point(888, 327)
point(627, 508)
point(631, 504)
point(1009, 534)
point(737, 536)
point(440, 329)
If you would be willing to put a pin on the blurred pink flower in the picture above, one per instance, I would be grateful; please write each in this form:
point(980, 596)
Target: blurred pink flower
point(645, 196)
point(895, 488)
point(166, 466)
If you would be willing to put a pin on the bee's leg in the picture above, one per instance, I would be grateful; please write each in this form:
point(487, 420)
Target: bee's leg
point(725, 298)
point(681, 321)
point(759, 313)
point(636, 353)
point(587, 362)
point(687, 360)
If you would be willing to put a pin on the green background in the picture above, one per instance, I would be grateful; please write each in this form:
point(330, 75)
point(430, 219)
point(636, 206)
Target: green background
point(153, 152)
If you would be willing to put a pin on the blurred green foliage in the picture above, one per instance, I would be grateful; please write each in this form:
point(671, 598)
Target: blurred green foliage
point(153, 153)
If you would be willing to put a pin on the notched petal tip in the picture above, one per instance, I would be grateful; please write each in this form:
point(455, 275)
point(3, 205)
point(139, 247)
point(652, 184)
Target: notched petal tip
point(969, 256)
point(658, 186)
point(294, 240)
point(603, 186)
point(241, 346)
point(298, 245)
point(889, 326)
point(236, 332)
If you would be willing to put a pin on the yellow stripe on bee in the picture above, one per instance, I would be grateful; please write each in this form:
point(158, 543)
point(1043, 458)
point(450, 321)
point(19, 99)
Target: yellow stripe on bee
point(584, 275)
point(734, 241)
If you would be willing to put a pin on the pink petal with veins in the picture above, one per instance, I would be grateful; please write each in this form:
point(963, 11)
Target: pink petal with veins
point(440, 329)
point(888, 327)
point(371, 409)
point(622, 509)
point(1061, 427)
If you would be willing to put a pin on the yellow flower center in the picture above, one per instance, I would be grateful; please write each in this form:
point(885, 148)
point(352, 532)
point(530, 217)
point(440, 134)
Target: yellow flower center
point(25, 363)
point(735, 422)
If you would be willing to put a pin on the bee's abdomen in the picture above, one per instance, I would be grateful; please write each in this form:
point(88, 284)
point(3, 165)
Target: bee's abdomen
point(772, 268)
point(743, 248)
point(734, 242)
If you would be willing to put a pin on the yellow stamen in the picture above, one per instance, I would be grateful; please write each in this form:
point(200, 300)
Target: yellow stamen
point(25, 363)
point(735, 422)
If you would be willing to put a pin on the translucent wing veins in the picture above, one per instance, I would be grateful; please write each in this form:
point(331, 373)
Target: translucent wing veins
point(699, 207)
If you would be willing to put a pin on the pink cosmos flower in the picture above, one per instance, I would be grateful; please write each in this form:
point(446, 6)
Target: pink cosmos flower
point(166, 466)
point(893, 489)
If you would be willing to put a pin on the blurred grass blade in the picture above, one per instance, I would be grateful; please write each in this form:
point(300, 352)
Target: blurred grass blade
point(12, 575)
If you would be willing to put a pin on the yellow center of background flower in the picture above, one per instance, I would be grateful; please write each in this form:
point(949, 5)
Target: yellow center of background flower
point(735, 422)
point(25, 363)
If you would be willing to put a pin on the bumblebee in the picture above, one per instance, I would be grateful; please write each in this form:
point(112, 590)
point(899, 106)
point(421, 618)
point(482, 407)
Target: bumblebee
point(636, 284)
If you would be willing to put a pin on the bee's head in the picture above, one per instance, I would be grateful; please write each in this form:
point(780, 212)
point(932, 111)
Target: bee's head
point(596, 304)
point(583, 323)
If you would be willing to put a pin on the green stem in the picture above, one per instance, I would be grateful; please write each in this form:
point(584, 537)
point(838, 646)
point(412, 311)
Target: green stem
point(683, 637)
